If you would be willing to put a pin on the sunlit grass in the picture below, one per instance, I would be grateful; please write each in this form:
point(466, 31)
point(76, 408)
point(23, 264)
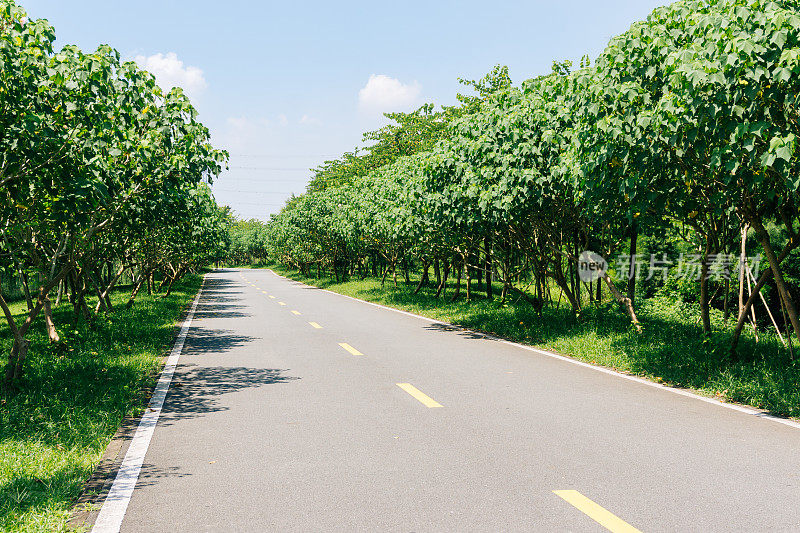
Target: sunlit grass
point(72, 399)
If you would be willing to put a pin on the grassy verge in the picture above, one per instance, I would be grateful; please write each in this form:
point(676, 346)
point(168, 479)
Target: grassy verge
point(72, 399)
point(671, 350)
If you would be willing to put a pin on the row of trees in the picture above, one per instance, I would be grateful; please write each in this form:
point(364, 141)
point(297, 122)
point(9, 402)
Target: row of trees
point(687, 124)
point(247, 243)
point(101, 174)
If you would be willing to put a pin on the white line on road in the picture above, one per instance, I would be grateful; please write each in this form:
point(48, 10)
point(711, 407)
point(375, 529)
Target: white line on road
point(741, 408)
point(113, 511)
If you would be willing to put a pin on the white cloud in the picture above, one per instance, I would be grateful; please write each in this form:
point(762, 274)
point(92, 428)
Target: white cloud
point(243, 134)
point(244, 123)
point(308, 120)
point(238, 123)
point(170, 72)
point(384, 94)
point(283, 120)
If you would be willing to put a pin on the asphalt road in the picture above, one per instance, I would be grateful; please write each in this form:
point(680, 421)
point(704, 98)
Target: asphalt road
point(285, 414)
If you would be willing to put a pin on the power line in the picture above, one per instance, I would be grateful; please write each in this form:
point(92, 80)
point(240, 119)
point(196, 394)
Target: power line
point(284, 155)
point(256, 203)
point(268, 178)
point(253, 191)
point(284, 169)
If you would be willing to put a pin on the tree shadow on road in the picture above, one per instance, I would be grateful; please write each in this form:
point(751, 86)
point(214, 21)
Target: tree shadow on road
point(202, 341)
point(196, 390)
point(151, 474)
point(218, 300)
point(469, 334)
point(217, 309)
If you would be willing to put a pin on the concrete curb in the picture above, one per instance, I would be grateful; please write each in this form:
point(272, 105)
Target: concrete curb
point(86, 508)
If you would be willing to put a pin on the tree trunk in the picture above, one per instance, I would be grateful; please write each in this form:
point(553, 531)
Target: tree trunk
point(468, 272)
point(385, 273)
point(16, 359)
point(762, 280)
point(60, 292)
point(52, 334)
point(19, 349)
point(101, 302)
point(423, 280)
point(632, 265)
point(565, 290)
point(136, 289)
point(459, 268)
point(725, 302)
point(506, 277)
point(79, 302)
point(704, 303)
point(444, 278)
point(742, 259)
point(774, 264)
point(169, 287)
point(574, 268)
point(23, 278)
point(625, 302)
point(487, 243)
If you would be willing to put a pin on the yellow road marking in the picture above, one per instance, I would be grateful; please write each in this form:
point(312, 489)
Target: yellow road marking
point(426, 400)
point(595, 512)
point(350, 348)
point(281, 303)
point(315, 325)
point(296, 312)
point(265, 292)
point(271, 296)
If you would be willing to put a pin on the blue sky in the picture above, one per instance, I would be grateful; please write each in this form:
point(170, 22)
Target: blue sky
point(285, 85)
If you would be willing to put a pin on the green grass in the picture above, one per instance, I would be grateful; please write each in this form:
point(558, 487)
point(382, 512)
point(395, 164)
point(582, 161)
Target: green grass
point(71, 400)
point(672, 349)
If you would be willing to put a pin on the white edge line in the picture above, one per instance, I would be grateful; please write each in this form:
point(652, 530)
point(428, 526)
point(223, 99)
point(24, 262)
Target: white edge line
point(109, 520)
point(643, 381)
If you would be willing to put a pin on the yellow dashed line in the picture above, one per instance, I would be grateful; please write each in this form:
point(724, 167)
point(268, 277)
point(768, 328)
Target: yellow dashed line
point(350, 348)
point(595, 512)
point(315, 325)
point(281, 303)
point(296, 312)
point(426, 400)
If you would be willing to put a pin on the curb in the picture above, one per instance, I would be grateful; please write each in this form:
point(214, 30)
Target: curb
point(86, 508)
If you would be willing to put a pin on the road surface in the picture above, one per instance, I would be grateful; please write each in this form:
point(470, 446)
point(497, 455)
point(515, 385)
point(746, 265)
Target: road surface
point(296, 409)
